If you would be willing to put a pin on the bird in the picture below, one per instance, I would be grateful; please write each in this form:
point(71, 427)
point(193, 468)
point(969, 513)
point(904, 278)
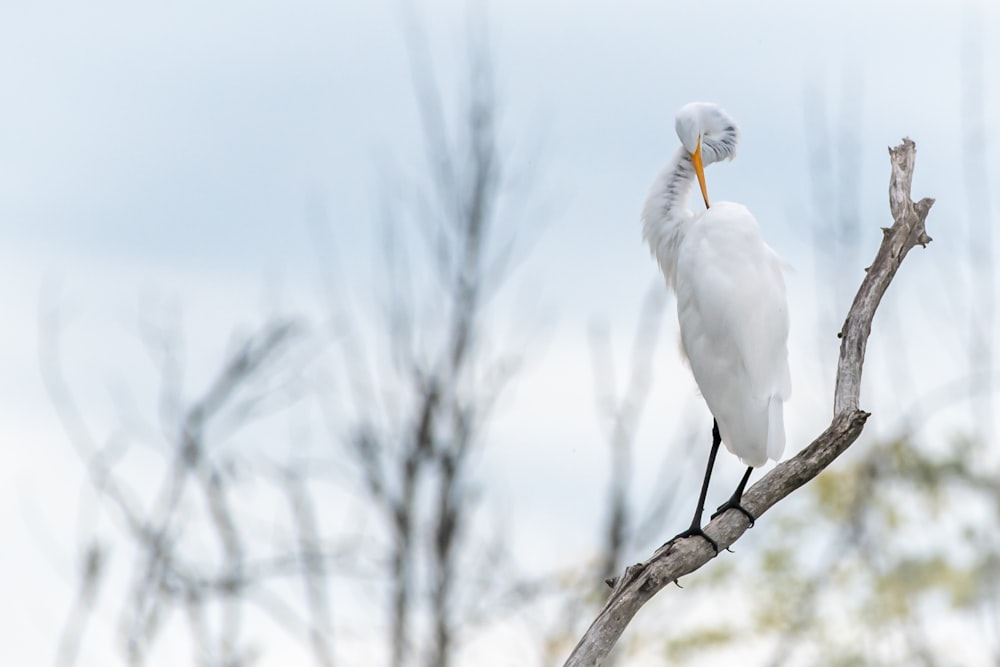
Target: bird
point(732, 306)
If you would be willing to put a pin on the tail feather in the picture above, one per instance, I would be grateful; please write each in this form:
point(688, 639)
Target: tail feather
point(775, 428)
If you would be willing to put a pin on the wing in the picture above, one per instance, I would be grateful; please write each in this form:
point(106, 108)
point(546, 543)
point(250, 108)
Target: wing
point(733, 312)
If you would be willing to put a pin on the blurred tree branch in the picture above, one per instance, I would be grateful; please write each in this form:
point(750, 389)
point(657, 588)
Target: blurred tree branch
point(193, 500)
point(675, 559)
point(446, 249)
point(623, 413)
point(75, 627)
point(621, 409)
point(978, 191)
point(422, 385)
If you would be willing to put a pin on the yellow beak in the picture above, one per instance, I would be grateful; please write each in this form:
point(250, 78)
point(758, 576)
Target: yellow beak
point(699, 170)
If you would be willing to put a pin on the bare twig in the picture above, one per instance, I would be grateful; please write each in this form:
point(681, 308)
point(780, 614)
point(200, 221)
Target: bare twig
point(978, 190)
point(165, 577)
point(445, 373)
point(641, 582)
point(314, 575)
point(624, 412)
point(73, 631)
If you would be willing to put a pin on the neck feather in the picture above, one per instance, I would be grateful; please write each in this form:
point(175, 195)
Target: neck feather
point(665, 217)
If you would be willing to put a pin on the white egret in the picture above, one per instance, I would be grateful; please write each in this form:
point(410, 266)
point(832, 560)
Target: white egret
point(731, 301)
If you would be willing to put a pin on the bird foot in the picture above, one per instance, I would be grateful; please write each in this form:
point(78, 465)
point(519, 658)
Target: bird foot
point(696, 531)
point(734, 504)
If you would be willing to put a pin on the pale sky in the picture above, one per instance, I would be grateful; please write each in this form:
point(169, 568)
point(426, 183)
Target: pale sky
point(179, 150)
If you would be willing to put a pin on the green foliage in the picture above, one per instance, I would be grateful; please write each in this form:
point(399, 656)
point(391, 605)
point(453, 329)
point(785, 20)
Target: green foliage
point(685, 647)
point(866, 565)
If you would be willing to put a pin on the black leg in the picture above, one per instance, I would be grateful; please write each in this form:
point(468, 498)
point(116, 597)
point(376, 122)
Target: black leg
point(734, 501)
point(695, 528)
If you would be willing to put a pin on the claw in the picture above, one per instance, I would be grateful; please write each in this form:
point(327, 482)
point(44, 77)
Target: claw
point(735, 505)
point(696, 531)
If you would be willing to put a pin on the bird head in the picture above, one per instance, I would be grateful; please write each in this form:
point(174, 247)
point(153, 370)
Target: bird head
point(708, 134)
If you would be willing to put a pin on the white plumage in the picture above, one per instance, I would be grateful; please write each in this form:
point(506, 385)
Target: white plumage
point(731, 301)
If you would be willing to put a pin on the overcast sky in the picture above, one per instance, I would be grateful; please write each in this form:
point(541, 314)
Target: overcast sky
point(179, 150)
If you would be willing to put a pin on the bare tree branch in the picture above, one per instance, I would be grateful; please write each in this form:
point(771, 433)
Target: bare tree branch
point(675, 559)
point(444, 371)
point(978, 191)
point(169, 574)
point(90, 580)
point(623, 413)
point(314, 573)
